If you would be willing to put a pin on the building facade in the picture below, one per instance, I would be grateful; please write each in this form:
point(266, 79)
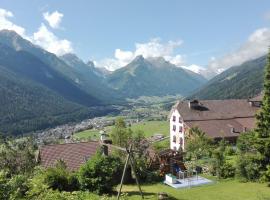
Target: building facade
point(177, 139)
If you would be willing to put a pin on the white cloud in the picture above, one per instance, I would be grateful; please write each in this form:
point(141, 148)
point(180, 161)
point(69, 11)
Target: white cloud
point(43, 37)
point(153, 48)
point(195, 68)
point(47, 40)
point(123, 57)
point(5, 23)
point(110, 64)
point(177, 60)
point(256, 45)
point(54, 19)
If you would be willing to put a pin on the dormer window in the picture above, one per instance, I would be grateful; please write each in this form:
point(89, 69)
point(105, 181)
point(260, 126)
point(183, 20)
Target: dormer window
point(174, 128)
point(174, 118)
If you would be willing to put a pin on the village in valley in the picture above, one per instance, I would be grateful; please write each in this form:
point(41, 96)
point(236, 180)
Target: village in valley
point(178, 154)
point(84, 115)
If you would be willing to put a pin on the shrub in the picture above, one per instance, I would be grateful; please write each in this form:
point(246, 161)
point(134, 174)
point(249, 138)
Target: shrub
point(153, 177)
point(18, 186)
point(100, 173)
point(218, 158)
point(4, 187)
point(227, 170)
point(229, 151)
point(248, 167)
point(59, 178)
point(266, 176)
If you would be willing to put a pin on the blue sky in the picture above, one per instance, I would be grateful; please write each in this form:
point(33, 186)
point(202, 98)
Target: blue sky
point(199, 32)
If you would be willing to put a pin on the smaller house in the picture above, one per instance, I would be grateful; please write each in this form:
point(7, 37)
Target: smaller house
point(73, 154)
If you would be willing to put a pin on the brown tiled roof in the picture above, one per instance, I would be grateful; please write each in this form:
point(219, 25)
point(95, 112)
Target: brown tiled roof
point(217, 117)
point(216, 109)
point(222, 128)
point(73, 154)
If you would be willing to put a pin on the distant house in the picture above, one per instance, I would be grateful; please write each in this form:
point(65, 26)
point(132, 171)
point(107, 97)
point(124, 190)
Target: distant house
point(217, 118)
point(73, 154)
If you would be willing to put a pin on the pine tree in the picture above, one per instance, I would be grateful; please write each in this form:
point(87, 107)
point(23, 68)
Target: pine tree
point(263, 121)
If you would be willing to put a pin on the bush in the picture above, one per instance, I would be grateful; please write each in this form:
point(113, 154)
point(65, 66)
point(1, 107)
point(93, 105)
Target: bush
point(18, 186)
point(59, 178)
point(100, 173)
point(153, 177)
point(4, 187)
point(266, 176)
point(229, 151)
point(227, 170)
point(248, 167)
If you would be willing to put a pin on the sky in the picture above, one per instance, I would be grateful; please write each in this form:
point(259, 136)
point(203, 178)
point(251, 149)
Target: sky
point(189, 33)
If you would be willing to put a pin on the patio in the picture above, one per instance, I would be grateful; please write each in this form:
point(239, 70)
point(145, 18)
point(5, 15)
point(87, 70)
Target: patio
point(188, 182)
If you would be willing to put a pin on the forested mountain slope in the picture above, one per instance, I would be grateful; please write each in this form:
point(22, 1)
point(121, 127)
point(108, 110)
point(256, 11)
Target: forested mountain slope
point(237, 82)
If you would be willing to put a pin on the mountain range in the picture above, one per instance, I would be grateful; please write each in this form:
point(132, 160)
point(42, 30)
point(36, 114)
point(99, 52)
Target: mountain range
point(39, 89)
point(238, 82)
point(153, 77)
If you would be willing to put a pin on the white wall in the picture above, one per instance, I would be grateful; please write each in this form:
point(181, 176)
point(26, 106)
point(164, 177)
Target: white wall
point(176, 145)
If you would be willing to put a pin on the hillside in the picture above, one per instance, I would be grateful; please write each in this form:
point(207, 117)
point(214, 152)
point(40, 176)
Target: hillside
point(240, 82)
point(80, 80)
point(153, 77)
point(28, 106)
point(28, 66)
point(36, 94)
point(91, 79)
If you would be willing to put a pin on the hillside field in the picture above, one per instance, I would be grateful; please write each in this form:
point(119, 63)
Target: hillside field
point(148, 127)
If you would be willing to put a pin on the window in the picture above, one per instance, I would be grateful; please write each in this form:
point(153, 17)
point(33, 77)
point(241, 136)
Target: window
point(181, 141)
point(180, 129)
point(174, 138)
point(174, 127)
point(174, 118)
point(180, 120)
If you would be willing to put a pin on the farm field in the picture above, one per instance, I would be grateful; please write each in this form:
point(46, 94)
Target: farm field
point(152, 127)
point(148, 127)
point(220, 190)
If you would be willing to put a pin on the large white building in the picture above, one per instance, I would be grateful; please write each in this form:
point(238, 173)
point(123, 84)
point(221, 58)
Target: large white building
point(216, 118)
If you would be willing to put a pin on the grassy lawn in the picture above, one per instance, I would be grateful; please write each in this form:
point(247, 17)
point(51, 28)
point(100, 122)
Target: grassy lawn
point(152, 127)
point(220, 190)
point(90, 134)
point(148, 127)
point(87, 134)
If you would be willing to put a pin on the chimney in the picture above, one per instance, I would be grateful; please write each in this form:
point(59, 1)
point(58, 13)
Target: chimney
point(232, 130)
point(244, 129)
point(104, 139)
point(104, 150)
point(193, 104)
